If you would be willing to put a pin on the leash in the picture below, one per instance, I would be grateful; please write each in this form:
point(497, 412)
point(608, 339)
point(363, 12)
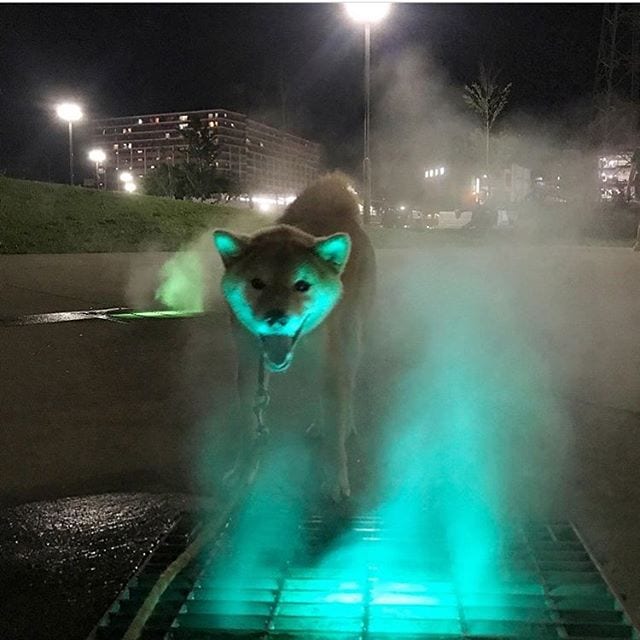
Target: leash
point(261, 400)
point(262, 397)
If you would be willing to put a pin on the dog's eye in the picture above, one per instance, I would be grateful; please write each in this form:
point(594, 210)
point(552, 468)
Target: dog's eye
point(302, 285)
point(256, 283)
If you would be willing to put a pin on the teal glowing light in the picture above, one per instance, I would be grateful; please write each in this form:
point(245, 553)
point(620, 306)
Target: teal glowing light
point(405, 599)
point(345, 598)
point(462, 435)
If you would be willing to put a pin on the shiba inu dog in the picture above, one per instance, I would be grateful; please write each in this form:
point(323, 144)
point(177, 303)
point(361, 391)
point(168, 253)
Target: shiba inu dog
point(311, 278)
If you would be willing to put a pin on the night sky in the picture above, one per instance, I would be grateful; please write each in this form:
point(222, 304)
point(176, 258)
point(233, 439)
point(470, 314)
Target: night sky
point(128, 59)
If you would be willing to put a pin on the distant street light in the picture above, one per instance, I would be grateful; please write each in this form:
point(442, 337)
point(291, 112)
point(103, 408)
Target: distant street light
point(130, 187)
point(71, 113)
point(98, 156)
point(367, 13)
point(126, 177)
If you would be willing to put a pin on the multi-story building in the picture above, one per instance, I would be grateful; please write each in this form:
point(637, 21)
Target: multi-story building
point(259, 158)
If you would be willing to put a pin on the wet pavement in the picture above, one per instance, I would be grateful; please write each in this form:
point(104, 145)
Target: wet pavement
point(63, 562)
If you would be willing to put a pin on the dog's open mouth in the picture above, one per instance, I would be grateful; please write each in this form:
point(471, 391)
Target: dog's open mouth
point(278, 350)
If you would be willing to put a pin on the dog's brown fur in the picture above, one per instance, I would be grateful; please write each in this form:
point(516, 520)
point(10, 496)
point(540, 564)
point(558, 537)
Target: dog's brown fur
point(325, 208)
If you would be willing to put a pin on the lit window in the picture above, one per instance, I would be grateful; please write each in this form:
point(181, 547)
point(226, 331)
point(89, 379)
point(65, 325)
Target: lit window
point(139, 159)
point(139, 120)
point(182, 126)
point(210, 116)
point(216, 123)
point(139, 150)
point(183, 118)
point(115, 146)
point(153, 166)
point(156, 120)
point(225, 115)
point(167, 135)
point(124, 131)
point(129, 129)
point(211, 125)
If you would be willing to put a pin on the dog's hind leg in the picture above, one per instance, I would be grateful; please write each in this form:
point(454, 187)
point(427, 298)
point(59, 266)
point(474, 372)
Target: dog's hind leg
point(339, 382)
point(243, 420)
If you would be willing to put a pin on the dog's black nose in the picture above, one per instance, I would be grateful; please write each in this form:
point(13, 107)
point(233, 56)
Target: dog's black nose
point(276, 317)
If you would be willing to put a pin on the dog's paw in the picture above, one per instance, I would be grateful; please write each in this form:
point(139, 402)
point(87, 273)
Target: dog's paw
point(241, 475)
point(313, 432)
point(337, 489)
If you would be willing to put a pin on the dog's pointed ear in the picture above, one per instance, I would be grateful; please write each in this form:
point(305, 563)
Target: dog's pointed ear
point(229, 245)
point(334, 249)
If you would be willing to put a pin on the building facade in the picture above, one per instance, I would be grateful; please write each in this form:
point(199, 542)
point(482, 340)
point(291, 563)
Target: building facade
point(257, 157)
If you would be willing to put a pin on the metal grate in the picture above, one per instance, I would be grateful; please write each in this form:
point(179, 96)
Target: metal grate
point(117, 620)
point(547, 587)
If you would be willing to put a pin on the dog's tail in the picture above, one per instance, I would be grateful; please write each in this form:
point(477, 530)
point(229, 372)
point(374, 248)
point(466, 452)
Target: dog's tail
point(332, 196)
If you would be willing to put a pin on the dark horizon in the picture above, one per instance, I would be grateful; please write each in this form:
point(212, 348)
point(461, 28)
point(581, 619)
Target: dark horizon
point(132, 59)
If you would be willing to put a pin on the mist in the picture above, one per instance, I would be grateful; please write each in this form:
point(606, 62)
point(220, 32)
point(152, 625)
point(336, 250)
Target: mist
point(482, 360)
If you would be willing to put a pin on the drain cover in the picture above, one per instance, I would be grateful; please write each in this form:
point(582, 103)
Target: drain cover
point(117, 314)
point(545, 586)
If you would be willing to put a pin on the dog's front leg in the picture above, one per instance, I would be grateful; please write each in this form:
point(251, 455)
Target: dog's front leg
point(244, 423)
point(339, 381)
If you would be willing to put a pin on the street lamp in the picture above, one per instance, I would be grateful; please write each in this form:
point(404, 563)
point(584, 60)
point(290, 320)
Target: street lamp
point(367, 13)
point(69, 112)
point(130, 187)
point(98, 156)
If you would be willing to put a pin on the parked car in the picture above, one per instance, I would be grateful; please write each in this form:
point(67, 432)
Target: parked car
point(404, 218)
point(417, 220)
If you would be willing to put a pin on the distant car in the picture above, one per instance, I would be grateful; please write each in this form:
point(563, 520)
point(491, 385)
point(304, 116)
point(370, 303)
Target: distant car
point(392, 218)
point(413, 219)
point(417, 220)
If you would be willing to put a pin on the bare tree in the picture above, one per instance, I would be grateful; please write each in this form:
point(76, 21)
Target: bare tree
point(487, 98)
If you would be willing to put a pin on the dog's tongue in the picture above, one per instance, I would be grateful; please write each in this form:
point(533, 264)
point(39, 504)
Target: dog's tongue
point(277, 348)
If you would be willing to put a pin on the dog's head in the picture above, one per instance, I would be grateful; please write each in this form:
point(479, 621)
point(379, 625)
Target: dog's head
point(282, 283)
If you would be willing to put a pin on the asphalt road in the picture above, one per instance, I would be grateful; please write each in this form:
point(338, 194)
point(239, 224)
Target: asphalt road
point(108, 410)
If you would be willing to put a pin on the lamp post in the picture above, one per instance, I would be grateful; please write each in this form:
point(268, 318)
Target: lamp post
point(71, 113)
point(98, 156)
point(367, 13)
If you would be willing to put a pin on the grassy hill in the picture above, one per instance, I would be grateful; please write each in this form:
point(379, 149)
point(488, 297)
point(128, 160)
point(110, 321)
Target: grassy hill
point(38, 217)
